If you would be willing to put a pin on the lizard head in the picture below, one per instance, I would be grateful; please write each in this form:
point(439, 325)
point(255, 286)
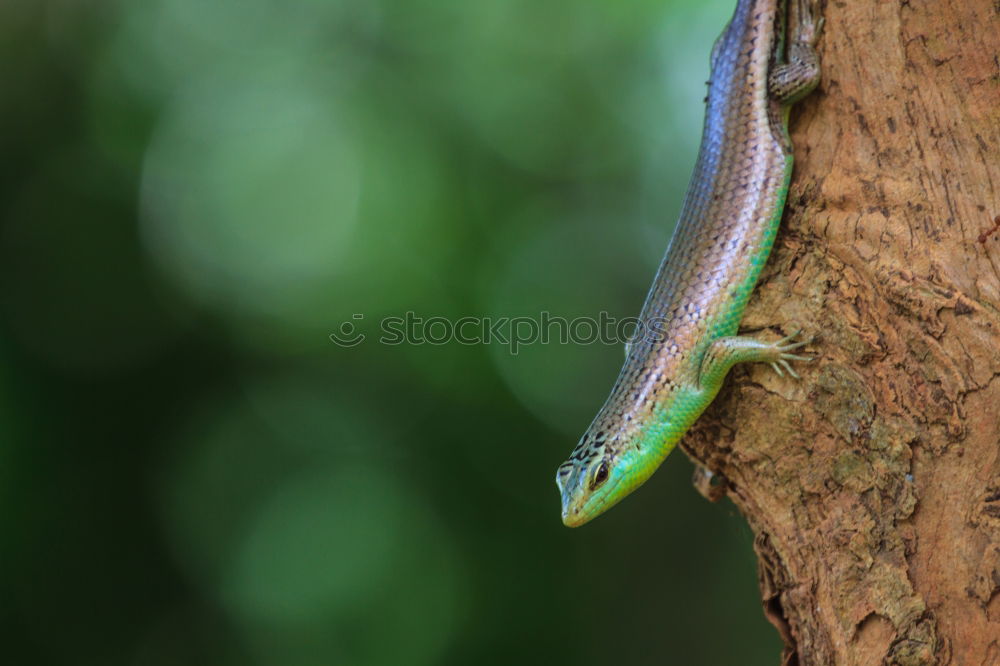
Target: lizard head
point(639, 425)
point(599, 474)
point(618, 453)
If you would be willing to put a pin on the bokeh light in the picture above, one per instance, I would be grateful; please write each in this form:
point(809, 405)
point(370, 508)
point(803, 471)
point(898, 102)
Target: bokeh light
point(250, 189)
point(197, 194)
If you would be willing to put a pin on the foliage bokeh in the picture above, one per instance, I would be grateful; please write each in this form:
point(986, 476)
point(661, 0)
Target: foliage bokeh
point(196, 194)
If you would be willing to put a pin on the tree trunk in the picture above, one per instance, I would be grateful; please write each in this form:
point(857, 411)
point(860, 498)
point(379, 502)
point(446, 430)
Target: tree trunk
point(873, 484)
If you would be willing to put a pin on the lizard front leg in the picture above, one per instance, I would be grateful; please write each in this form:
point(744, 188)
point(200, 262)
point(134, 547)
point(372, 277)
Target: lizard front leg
point(726, 352)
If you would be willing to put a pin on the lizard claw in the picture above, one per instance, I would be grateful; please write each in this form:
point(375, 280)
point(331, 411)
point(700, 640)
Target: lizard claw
point(808, 24)
point(784, 347)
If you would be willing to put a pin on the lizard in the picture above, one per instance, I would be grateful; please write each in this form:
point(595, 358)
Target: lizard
point(728, 222)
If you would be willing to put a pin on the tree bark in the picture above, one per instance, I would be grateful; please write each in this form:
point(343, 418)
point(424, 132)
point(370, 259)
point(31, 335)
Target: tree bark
point(873, 484)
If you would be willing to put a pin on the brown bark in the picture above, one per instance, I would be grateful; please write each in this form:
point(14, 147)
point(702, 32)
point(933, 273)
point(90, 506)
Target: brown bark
point(873, 484)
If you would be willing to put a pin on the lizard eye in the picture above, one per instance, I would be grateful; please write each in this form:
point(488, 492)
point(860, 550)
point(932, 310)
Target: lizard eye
point(600, 475)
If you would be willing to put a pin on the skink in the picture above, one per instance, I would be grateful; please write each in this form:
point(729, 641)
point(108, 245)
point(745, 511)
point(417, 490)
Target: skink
point(687, 343)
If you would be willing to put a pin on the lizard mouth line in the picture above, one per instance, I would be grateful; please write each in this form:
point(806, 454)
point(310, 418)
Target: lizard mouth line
point(575, 514)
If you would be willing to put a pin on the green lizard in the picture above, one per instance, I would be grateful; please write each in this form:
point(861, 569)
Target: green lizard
point(724, 235)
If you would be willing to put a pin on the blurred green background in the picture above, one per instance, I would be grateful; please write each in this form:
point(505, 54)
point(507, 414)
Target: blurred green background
point(196, 193)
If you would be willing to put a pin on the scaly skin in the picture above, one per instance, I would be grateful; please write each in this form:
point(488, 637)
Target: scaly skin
point(731, 213)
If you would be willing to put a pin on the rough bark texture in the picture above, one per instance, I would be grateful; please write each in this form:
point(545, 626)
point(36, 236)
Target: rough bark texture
point(873, 484)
